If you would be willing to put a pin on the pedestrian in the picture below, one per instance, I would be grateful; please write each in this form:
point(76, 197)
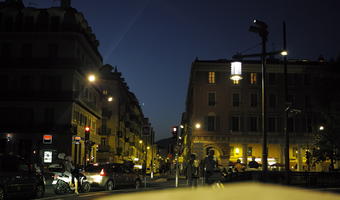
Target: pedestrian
point(210, 166)
point(253, 164)
point(192, 171)
point(238, 166)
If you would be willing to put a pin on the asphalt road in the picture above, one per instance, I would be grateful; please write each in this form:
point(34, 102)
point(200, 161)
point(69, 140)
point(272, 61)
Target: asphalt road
point(155, 185)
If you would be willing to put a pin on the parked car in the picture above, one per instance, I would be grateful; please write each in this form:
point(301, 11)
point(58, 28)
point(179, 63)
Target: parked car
point(111, 176)
point(19, 179)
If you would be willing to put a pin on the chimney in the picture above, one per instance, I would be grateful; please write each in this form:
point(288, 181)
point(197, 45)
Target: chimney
point(65, 3)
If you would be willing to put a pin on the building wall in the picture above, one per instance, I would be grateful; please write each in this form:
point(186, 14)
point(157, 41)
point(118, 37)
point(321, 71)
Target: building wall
point(225, 136)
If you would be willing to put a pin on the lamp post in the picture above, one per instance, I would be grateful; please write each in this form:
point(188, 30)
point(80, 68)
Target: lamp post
point(261, 29)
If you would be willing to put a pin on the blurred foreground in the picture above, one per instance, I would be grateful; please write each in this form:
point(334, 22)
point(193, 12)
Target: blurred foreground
point(240, 191)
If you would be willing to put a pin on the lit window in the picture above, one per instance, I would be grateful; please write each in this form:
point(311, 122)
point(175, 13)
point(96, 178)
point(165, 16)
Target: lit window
point(253, 78)
point(212, 78)
point(236, 82)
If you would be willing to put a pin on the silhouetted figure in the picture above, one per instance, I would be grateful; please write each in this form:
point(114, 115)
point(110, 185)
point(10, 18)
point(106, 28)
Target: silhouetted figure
point(253, 164)
point(192, 171)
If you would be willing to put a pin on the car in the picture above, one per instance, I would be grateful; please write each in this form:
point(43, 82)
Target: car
point(111, 175)
point(18, 178)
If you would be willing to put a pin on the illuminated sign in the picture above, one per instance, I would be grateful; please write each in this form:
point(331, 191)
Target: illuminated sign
point(47, 156)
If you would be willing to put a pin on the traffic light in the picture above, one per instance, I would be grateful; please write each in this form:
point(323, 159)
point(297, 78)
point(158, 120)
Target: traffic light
point(174, 131)
point(47, 139)
point(87, 133)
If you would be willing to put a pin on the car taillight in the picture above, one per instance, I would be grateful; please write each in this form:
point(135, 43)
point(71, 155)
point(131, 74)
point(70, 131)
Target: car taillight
point(102, 173)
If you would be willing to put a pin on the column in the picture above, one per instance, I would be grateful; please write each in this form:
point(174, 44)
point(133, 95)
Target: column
point(299, 158)
point(245, 154)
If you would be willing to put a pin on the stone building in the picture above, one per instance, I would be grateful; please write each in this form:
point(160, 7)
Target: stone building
point(46, 55)
point(229, 112)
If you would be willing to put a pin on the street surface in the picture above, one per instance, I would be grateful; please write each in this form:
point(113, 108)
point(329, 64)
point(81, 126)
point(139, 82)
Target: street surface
point(162, 184)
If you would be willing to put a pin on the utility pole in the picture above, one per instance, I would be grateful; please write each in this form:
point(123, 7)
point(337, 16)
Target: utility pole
point(286, 109)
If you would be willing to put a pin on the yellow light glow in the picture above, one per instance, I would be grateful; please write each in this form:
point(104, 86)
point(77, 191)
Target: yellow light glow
point(197, 125)
point(284, 53)
point(135, 159)
point(236, 77)
point(140, 141)
point(91, 78)
point(237, 150)
point(147, 147)
point(109, 99)
point(181, 126)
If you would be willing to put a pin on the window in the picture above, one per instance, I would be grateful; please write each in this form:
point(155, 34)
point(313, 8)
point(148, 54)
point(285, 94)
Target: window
point(236, 100)
point(6, 50)
point(55, 21)
point(211, 123)
point(212, 78)
point(236, 82)
point(253, 78)
point(4, 82)
point(253, 124)
point(211, 98)
point(8, 24)
point(250, 151)
point(103, 141)
point(307, 101)
point(253, 100)
point(272, 78)
point(272, 100)
point(291, 78)
point(235, 123)
point(307, 79)
point(29, 23)
point(25, 83)
point(27, 51)
point(271, 124)
point(52, 51)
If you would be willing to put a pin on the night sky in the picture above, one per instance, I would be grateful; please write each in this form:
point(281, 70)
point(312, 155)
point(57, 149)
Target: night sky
point(153, 42)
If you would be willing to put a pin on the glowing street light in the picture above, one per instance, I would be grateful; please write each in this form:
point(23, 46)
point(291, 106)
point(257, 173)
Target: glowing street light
point(91, 78)
point(197, 125)
point(109, 99)
point(321, 128)
point(236, 71)
point(140, 141)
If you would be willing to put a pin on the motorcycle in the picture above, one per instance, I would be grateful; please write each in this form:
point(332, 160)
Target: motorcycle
point(61, 183)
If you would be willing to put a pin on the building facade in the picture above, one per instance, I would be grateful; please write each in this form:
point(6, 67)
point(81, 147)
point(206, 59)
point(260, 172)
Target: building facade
point(45, 56)
point(229, 112)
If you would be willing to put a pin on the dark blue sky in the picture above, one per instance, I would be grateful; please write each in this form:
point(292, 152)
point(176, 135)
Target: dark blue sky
point(153, 42)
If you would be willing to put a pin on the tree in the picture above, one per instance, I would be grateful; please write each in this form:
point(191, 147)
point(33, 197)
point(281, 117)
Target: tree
point(327, 139)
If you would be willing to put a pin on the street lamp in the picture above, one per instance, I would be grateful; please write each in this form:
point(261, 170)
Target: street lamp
point(321, 128)
point(236, 71)
point(109, 99)
point(91, 78)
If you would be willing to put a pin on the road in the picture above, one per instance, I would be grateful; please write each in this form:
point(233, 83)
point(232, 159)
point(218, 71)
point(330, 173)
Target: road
point(155, 185)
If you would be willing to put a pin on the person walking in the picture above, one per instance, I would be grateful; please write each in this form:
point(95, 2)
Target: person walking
point(192, 171)
point(210, 166)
